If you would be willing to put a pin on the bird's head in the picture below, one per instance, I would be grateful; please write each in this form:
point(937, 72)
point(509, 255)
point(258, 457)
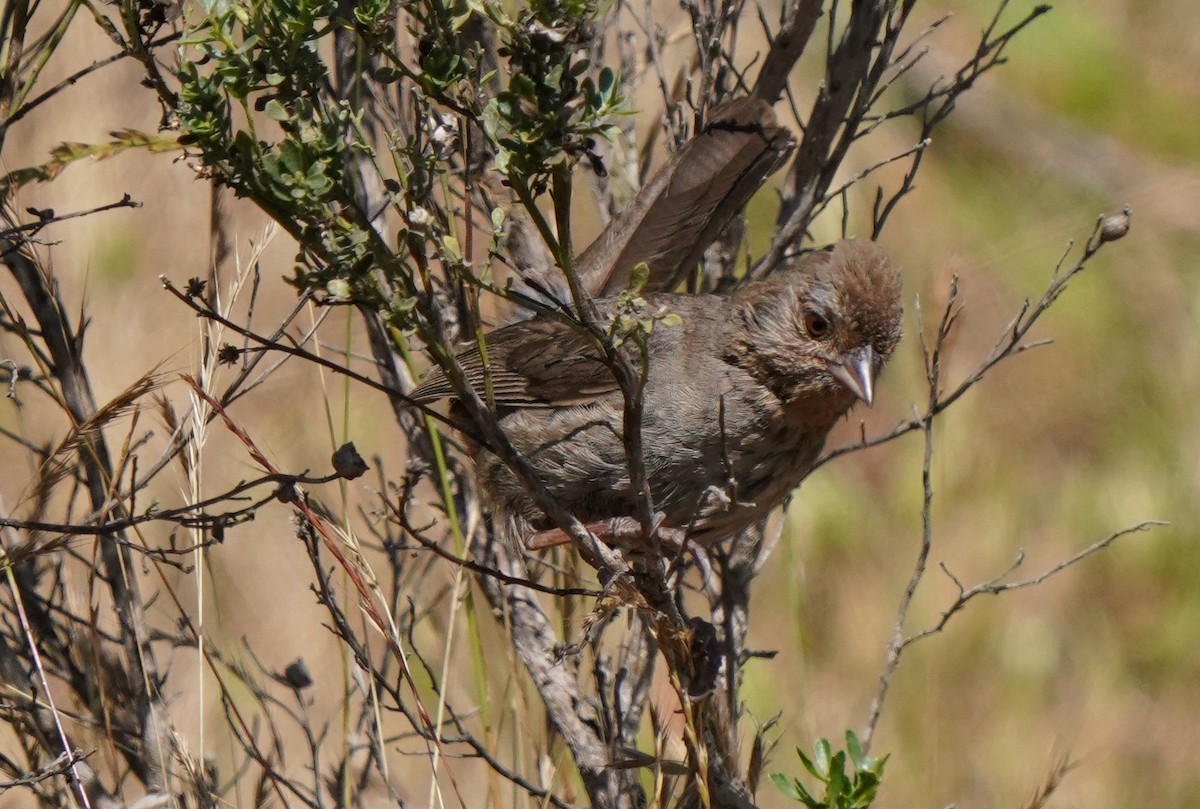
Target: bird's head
point(821, 332)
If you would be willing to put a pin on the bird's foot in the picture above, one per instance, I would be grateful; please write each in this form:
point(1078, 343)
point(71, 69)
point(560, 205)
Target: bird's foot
point(625, 532)
point(717, 498)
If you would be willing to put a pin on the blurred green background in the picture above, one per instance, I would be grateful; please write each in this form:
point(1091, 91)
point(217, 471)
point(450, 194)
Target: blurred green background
point(1098, 107)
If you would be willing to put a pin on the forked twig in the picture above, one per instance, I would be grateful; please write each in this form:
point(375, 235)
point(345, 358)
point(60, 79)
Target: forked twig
point(1106, 229)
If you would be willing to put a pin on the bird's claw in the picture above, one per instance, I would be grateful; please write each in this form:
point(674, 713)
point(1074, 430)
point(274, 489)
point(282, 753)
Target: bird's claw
point(619, 531)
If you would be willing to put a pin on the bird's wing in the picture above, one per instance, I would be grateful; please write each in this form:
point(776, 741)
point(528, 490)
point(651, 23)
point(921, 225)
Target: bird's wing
point(535, 363)
point(686, 205)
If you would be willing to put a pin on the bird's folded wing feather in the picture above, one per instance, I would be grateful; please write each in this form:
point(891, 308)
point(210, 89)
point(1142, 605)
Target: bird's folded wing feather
point(535, 363)
point(686, 205)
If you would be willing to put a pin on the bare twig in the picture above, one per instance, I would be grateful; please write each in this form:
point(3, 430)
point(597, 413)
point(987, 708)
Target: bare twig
point(1011, 344)
point(997, 585)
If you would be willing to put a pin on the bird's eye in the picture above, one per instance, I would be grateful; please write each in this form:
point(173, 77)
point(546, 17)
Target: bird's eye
point(817, 325)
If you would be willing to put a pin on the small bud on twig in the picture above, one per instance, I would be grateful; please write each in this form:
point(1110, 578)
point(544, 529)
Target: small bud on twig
point(1115, 226)
point(296, 674)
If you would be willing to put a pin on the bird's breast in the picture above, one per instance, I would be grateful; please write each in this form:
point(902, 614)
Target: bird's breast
point(753, 454)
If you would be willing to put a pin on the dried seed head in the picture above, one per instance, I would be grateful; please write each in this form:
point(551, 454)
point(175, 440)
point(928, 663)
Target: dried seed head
point(1115, 226)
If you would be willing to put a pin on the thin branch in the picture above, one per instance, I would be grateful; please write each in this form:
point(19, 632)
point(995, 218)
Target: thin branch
point(997, 585)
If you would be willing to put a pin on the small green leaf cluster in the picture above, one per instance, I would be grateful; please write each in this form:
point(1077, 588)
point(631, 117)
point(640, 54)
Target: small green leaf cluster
point(258, 102)
point(450, 66)
point(633, 319)
point(262, 57)
point(551, 112)
point(842, 790)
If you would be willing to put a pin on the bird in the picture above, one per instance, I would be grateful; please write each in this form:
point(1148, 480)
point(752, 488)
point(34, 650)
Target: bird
point(741, 391)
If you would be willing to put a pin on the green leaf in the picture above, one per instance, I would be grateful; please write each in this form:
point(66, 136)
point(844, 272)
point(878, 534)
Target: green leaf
point(502, 160)
point(787, 786)
point(809, 765)
point(276, 111)
point(796, 791)
point(386, 74)
point(492, 120)
point(822, 752)
point(638, 276)
point(608, 83)
point(855, 749)
point(838, 786)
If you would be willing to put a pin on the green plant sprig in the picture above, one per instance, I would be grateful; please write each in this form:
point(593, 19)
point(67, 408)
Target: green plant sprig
point(841, 790)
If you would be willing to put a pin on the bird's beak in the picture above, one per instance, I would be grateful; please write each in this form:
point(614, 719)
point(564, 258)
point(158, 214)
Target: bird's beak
point(856, 370)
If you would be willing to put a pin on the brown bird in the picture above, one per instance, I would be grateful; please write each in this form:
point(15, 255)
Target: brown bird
point(738, 400)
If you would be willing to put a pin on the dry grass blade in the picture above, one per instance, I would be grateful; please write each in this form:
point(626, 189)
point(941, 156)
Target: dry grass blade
point(760, 752)
point(61, 463)
point(1053, 780)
